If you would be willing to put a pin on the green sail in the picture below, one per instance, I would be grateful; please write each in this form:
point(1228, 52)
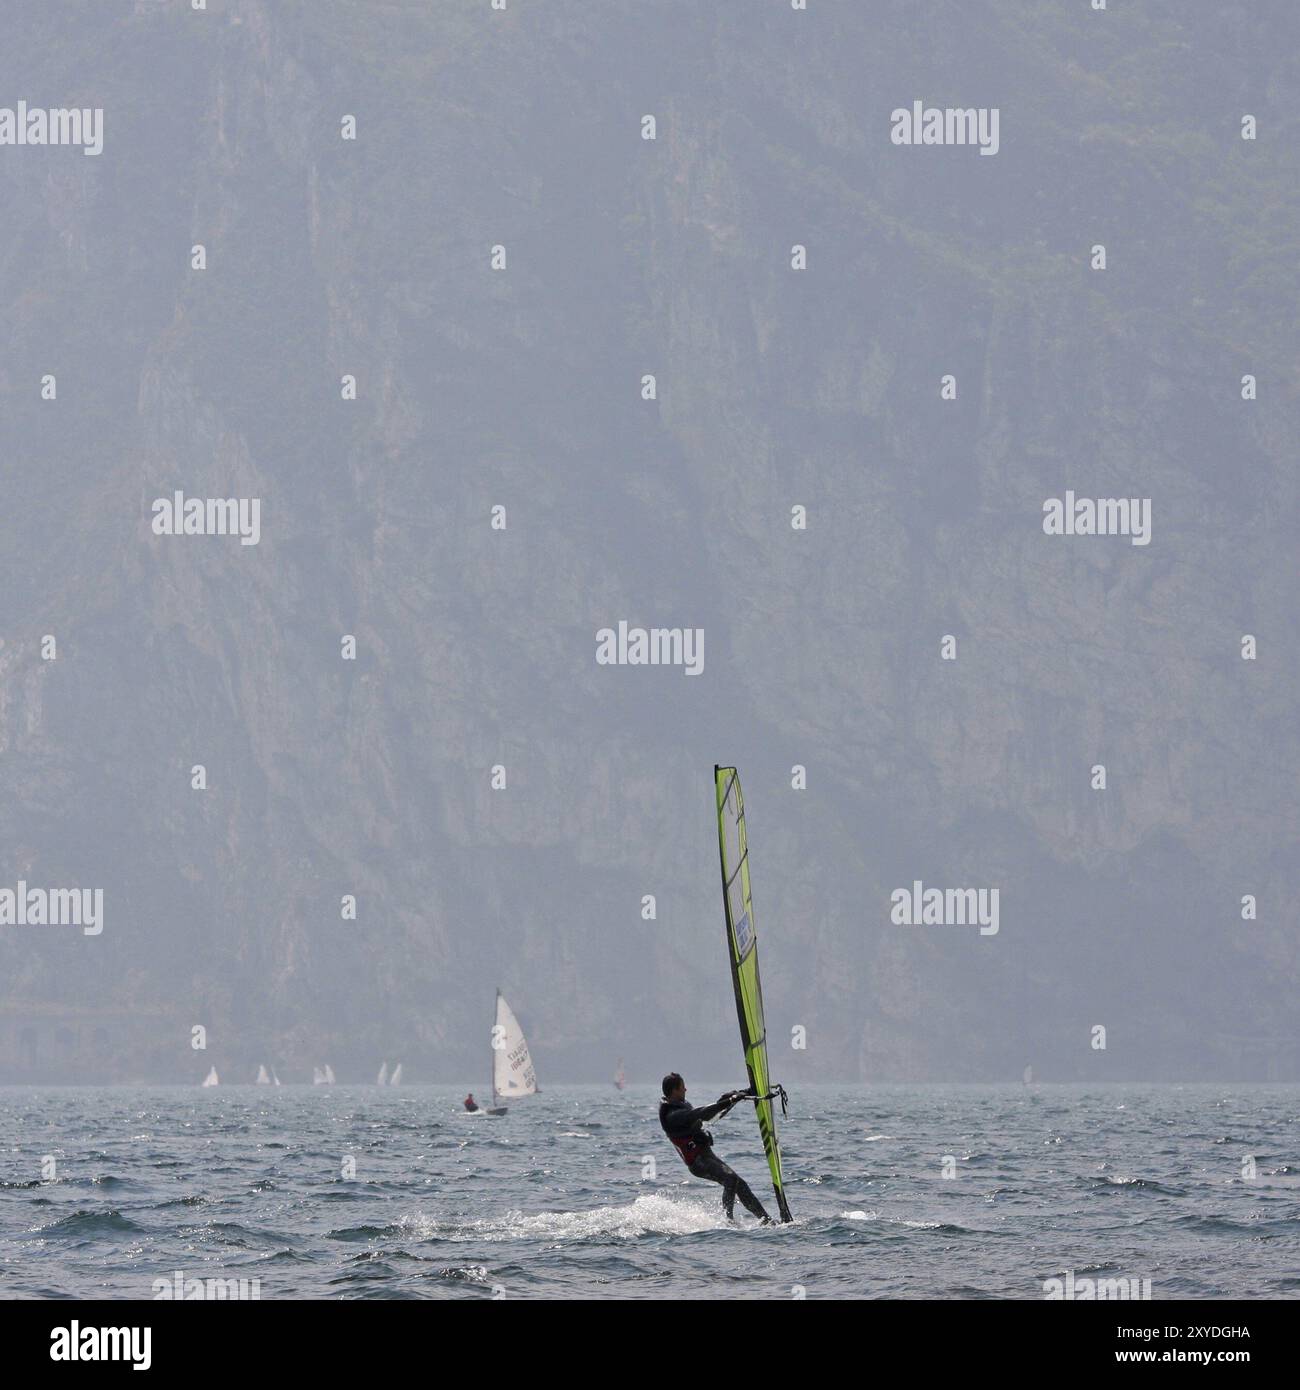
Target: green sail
point(742, 948)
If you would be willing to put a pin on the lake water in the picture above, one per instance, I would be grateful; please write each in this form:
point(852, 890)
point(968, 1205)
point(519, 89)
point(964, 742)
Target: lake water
point(553, 1201)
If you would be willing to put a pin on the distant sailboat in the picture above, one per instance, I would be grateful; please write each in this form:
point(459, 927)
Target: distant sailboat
point(274, 1077)
point(382, 1078)
point(396, 1078)
point(329, 1074)
point(620, 1076)
point(512, 1065)
point(317, 1077)
point(1028, 1076)
point(212, 1079)
point(262, 1078)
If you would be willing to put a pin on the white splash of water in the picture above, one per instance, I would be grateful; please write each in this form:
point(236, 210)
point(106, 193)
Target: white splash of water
point(653, 1214)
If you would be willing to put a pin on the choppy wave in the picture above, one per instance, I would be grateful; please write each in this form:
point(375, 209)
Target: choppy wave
point(357, 1194)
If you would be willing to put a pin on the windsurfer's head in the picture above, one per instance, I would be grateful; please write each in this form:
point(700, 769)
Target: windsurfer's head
point(674, 1086)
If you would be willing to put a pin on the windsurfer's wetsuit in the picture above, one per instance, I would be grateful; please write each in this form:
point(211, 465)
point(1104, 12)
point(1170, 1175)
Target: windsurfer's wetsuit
point(685, 1127)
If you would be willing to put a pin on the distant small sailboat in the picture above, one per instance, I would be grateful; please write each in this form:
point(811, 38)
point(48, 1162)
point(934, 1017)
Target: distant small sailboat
point(396, 1078)
point(212, 1079)
point(274, 1077)
point(329, 1074)
point(262, 1078)
point(512, 1064)
point(317, 1077)
point(620, 1076)
point(382, 1078)
point(1028, 1077)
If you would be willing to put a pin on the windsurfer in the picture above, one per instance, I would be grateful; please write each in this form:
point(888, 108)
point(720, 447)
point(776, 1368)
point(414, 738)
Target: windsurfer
point(685, 1127)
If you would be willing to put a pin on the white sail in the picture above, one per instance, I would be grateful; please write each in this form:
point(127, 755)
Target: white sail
point(212, 1079)
point(512, 1066)
point(274, 1077)
point(620, 1076)
point(396, 1078)
point(317, 1077)
point(329, 1074)
point(382, 1078)
point(262, 1078)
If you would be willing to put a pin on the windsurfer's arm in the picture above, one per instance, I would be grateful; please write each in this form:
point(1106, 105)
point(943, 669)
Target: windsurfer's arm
point(722, 1105)
point(684, 1120)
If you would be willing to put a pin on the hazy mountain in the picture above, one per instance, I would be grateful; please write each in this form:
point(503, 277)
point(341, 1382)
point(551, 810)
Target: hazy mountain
point(522, 388)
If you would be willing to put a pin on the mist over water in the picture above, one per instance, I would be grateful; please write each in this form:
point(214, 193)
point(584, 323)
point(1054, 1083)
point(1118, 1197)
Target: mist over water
point(1141, 1182)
